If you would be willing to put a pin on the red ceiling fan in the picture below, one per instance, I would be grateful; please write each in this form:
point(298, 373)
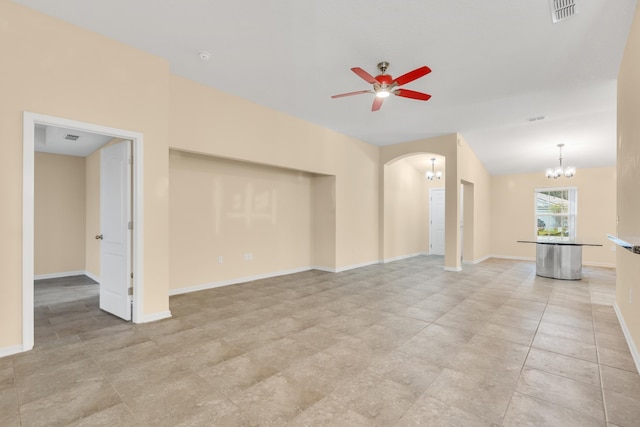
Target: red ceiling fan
point(385, 85)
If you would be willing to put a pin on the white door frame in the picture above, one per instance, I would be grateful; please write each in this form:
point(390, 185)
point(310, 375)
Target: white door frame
point(28, 168)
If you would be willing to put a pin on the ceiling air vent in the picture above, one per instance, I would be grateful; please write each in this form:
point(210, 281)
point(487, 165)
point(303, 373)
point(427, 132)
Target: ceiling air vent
point(72, 137)
point(562, 9)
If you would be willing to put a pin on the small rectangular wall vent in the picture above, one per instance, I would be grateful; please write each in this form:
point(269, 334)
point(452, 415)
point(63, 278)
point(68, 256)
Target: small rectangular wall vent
point(72, 137)
point(562, 9)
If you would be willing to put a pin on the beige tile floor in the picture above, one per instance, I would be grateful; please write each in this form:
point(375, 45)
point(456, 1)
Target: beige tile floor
point(398, 344)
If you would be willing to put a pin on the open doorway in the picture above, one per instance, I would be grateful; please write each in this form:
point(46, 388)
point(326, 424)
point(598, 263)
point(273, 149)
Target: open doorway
point(408, 229)
point(34, 126)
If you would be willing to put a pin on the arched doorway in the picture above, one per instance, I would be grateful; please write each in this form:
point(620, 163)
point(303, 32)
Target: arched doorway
point(445, 147)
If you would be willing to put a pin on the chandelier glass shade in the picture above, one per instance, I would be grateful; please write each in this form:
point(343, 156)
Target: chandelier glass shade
point(560, 170)
point(432, 174)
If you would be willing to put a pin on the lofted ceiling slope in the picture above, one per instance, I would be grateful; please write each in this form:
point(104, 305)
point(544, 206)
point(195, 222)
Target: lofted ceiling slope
point(495, 65)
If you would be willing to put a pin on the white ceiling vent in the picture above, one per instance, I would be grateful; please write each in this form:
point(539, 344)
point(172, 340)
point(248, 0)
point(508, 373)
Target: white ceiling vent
point(72, 137)
point(562, 9)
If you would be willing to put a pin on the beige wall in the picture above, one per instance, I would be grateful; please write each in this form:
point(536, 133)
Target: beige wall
point(513, 212)
point(228, 209)
point(59, 217)
point(477, 204)
point(628, 191)
point(405, 210)
point(323, 217)
point(207, 121)
point(109, 84)
point(114, 85)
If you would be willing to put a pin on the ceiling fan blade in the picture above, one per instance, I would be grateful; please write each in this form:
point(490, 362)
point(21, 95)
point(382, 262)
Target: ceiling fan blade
point(412, 75)
point(377, 103)
point(364, 75)
point(406, 93)
point(351, 93)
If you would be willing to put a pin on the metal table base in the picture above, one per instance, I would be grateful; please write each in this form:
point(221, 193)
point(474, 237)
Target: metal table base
point(559, 261)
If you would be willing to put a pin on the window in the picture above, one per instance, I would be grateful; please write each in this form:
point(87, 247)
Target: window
point(556, 210)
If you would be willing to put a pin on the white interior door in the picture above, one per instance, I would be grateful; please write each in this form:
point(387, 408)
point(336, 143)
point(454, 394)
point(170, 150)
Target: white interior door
point(436, 221)
point(115, 217)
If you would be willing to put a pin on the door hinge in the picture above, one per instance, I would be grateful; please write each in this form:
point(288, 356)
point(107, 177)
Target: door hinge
point(130, 160)
point(130, 291)
point(130, 225)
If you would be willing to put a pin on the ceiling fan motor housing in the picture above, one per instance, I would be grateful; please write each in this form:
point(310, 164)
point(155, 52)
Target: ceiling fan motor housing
point(384, 79)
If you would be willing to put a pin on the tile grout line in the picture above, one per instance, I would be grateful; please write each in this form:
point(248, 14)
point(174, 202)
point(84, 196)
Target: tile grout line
point(15, 387)
point(525, 359)
point(106, 377)
point(595, 340)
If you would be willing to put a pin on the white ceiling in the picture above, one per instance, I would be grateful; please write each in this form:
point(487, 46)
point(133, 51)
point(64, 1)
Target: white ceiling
point(53, 139)
point(495, 65)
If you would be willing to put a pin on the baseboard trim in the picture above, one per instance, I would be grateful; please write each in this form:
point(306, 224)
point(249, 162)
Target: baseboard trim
point(61, 274)
point(319, 268)
point(515, 258)
point(354, 266)
point(92, 276)
point(477, 261)
point(598, 264)
point(245, 279)
point(13, 349)
point(635, 354)
point(454, 269)
point(156, 316)
point(67, 274)
point(401, 257)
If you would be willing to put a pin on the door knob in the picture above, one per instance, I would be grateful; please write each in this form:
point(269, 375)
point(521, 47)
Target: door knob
point(98, 236)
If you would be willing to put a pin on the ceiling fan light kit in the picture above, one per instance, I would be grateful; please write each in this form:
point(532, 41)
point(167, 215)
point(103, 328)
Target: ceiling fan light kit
point(384, 84)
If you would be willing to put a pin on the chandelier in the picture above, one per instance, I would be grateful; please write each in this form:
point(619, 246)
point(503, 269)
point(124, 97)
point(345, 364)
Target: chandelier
point(432, 173)
point(561, 170)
